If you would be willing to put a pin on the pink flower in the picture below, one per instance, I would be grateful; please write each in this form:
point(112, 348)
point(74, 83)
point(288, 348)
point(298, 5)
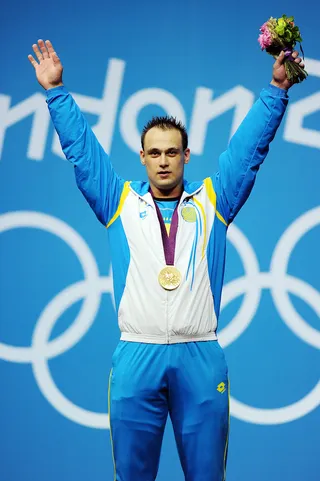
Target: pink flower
point(264, 27)
point(265, 38)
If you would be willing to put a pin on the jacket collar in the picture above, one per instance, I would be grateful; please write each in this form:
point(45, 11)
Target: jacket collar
point(142, 190)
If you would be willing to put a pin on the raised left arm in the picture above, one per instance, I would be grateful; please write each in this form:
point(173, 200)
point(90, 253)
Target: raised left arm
point(249, 146)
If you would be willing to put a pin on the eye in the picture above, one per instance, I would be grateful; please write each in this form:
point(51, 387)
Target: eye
point(153, 153)
point(172, 153)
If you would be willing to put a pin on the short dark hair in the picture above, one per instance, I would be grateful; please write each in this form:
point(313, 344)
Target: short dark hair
point(166, 123)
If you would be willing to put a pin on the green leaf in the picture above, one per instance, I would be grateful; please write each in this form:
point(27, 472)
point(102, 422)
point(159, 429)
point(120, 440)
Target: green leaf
point(280, 30)
point(281, 22)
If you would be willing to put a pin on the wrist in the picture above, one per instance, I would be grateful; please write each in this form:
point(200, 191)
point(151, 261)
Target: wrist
point(283, 85)
point(53, 86)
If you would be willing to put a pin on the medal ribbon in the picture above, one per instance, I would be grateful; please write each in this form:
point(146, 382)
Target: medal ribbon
point(168, 241)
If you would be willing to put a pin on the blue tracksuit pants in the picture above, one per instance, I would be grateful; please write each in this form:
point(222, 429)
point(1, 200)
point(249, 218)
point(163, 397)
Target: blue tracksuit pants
point(188, 381)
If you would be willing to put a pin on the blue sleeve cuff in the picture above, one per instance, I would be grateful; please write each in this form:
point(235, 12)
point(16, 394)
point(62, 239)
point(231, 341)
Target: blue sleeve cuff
point(51, 93)
point(277, 91)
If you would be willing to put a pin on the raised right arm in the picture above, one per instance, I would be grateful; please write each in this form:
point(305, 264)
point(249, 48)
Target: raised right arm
point(95, 176)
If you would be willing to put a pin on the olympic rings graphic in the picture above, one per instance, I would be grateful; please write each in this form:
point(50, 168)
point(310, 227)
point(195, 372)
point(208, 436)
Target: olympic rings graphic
point(280, 284)
point(94, 285)
point(41, 350)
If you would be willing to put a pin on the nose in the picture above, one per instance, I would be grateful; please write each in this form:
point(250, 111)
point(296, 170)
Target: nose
point(163, 160)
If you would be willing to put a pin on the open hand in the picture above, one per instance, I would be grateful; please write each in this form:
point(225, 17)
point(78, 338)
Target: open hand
point(49, 69)
point(279, 78)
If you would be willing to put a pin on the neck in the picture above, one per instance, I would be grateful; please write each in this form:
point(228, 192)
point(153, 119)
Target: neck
point(167, 193)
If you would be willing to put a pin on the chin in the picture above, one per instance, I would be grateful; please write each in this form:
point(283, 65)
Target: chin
point(165, 185)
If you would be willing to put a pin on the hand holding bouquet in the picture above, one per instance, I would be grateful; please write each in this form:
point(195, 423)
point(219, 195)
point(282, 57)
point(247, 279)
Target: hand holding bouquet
point(281, 34)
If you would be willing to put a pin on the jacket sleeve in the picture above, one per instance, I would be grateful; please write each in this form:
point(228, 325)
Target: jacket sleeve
point(239, 164)
point(95, 176)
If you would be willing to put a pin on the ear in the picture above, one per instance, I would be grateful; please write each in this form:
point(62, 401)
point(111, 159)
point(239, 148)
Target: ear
point(142, 157)
point(186, 156)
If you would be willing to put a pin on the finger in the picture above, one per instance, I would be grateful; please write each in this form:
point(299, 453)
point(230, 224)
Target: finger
point(37, 52)
point(49, 47)
point(280, 60)
point(43, 49)
point(298, 59)
point(295, 54)
point(52, 52)
point(55, 57)
point(32, 61)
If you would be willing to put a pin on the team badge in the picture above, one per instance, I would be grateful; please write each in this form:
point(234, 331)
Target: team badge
point(189, 214)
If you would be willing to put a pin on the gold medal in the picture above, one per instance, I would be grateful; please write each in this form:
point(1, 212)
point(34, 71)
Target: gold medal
point(169, 278)
point(189, 214)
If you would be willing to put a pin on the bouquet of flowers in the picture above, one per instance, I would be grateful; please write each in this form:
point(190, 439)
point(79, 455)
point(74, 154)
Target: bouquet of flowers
point(279, 34)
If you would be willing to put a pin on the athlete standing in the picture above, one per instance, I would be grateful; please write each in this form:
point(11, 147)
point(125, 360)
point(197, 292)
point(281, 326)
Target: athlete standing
point(167, 240)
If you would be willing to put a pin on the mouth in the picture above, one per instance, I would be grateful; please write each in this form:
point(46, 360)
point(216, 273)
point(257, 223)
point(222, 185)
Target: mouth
point(164, 173)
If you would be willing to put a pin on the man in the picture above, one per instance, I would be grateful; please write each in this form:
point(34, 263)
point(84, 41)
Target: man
point(167, 240)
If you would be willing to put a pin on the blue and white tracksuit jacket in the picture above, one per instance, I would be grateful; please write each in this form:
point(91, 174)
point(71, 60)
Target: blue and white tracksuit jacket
point(146, 312)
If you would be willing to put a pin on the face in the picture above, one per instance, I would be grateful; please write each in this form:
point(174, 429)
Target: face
point(164, 159)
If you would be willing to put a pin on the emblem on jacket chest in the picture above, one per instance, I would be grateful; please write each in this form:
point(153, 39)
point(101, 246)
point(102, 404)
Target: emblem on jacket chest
point(189, 213)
